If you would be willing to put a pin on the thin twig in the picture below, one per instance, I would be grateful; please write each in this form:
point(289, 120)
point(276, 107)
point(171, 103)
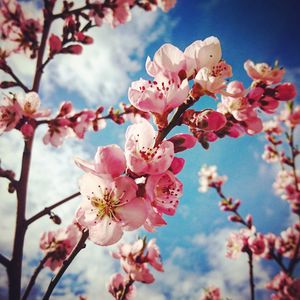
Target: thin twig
point(4, 260)
point(80, 245)
point(35, 275)
point(251, 276)
point(126, 289)
point(48, 209)
point(18, 81)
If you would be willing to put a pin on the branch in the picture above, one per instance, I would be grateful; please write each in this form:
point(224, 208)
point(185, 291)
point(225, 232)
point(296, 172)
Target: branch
point(126, 289)
point(8, 174)
point(80, 245)
point(17, 80)
point(251, 276)
point(35, 275)
point(47, 210)
point(175, 120)
point(4, 261)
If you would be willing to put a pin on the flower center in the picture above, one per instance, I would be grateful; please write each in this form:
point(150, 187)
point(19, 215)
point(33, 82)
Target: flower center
point(28, 108)
point(106, 204)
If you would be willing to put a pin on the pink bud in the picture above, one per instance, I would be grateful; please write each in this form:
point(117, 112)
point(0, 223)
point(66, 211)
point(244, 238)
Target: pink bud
point(177, 165)
point(234, 218)
point(286, 91)
point(182, 142)
point(55, 44)
point(65, 108)
point(72, 49)
point(84, 39)
point(211, 120)
point(27, 130)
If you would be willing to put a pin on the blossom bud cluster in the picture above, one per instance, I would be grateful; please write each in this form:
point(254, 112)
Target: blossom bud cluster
point(134, 259)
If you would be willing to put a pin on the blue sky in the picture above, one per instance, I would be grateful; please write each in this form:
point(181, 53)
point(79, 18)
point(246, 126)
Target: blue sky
point(259, 30)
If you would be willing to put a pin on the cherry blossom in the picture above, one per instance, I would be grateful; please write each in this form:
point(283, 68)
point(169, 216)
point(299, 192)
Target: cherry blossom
point(263, 72)
point(30, 104)
point(160, 96)
point(163, 191)
point(108, 160)
point(110, 205)
point(10, 114)
point(134, 261)
point(169, 61)
point(142, 155)
point(59, 244)
point(203, 54)
point(209, 177)
point(117, 285)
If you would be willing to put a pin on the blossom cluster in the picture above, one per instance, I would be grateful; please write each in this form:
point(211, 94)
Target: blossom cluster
point(201, 63)
point(134, 259)
point(58, 245)
point(124, 190)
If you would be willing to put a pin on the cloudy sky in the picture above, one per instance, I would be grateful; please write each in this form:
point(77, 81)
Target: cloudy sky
point(192, 244)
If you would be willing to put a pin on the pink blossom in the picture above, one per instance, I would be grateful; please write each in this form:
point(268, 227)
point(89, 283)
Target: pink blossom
point(213, 80)
point(59, 244)
point(142, 155)
point(287, 242)
point(272, 127)
point(294, 117)
point(116, 286)
point(203, 54)
point(135, 262)
point(10, 114)
point(257, 244)
point(30, 104)
point(108, 160)
point(120, 14)
point(110, 206)
point(169, 61)
point(263, 72)
point(83, 122)
point(154, 218)
point(270, 154)
point(211, 293)
point(163, 191)
point(177, 165)
point(160, 96)
point(234, 246)
point(58, 130)
point(209, 177)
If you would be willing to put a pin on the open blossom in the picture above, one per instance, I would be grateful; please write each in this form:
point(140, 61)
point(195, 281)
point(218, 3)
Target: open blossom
point(110, 205)
point(263, 72)
point(272, 127)
point(58, 130)
point(135, 262)
point(164, 191)
point(213, 80)
point(203, 54)
point(287, 242)
point(160, 96)
point(169, 61)
point(238, 241)
point(30, 104)
point(270, 154)
point(108, 160)
point(10, 114)
point(142, 155)
point(209, 177)
point(236, 103)
point(59, 244)
point(116, 286)
point(286, 288)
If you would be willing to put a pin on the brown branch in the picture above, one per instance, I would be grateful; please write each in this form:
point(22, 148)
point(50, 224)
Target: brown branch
point(47, 210)
point(17, 80)
point(251, 275)
point(80, 245)
point(126, 289)
point(4, 260)
point(35, 275)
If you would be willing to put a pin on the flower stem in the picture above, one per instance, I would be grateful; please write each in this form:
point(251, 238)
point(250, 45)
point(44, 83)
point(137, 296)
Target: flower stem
point(48, 209)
